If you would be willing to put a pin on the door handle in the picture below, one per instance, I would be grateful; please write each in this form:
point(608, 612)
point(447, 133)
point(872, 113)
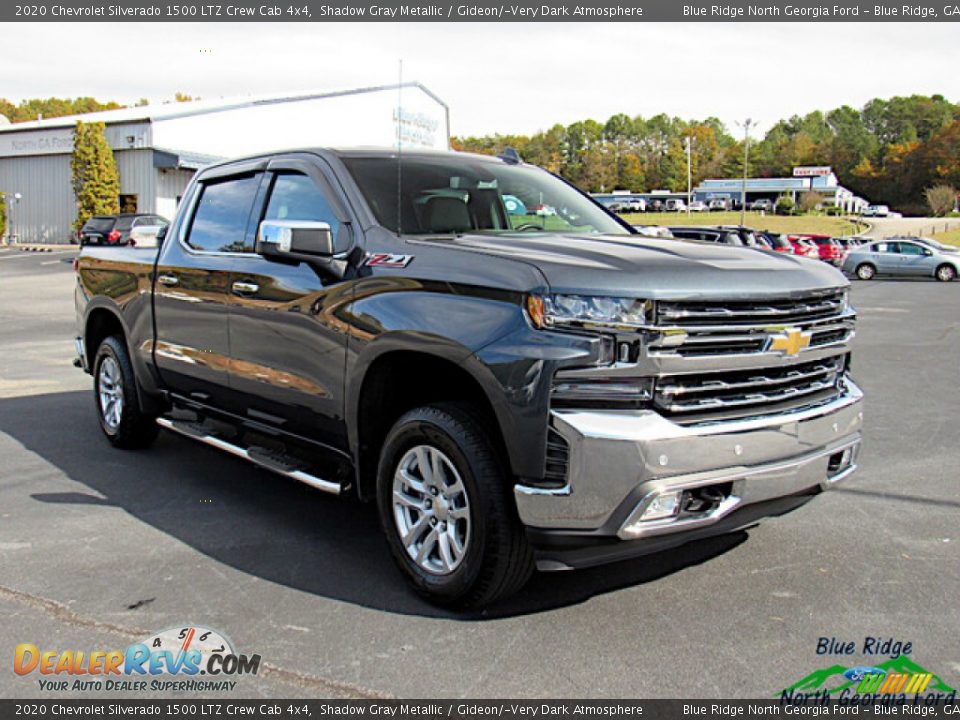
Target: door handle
point(245, 288)
point(168, 280)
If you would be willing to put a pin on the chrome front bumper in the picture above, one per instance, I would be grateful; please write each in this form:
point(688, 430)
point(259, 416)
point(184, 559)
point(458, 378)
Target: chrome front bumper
point(620, 461)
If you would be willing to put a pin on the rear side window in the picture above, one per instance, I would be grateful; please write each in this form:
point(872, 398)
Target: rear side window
point(221, 219)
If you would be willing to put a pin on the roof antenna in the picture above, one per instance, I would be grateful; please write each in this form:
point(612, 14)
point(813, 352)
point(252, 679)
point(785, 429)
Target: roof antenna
point(510, 156)
point(399, 147)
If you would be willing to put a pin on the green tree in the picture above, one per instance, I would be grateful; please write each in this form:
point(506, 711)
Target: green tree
point(36, 108)
point(96, 182)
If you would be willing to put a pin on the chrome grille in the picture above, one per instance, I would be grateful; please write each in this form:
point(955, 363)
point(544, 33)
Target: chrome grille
point(711, 328)
point(765, 312)
point(744, 392)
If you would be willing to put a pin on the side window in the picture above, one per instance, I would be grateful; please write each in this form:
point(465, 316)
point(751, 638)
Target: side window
point(220, 221)
point(296, 197)
point(910, 249)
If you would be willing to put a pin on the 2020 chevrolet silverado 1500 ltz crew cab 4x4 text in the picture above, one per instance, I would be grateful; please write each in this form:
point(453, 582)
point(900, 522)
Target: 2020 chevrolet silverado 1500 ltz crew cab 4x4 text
point(511, 390)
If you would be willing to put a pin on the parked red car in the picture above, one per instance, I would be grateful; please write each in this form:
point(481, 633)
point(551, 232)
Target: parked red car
point(776, 241)
point(828, 249)
point(803, 247)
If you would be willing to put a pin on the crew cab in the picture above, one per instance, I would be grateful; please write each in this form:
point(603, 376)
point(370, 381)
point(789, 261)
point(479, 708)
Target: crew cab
point(511, 391)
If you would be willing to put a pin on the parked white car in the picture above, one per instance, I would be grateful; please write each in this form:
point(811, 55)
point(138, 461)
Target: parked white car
point(145, 235)
point(698, 206)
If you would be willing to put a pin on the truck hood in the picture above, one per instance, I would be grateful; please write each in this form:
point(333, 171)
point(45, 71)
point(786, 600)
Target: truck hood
point(655, 268)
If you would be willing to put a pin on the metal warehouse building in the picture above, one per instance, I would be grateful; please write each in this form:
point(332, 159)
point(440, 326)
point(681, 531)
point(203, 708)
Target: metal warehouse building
point(158, 148)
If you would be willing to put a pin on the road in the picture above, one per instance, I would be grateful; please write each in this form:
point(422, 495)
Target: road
point(888, 227)
point(99, 547)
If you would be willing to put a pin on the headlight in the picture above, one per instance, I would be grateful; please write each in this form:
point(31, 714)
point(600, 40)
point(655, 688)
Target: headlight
point(589, 311)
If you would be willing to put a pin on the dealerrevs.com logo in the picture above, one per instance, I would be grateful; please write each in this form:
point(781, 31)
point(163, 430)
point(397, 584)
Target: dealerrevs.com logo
point(186, 658)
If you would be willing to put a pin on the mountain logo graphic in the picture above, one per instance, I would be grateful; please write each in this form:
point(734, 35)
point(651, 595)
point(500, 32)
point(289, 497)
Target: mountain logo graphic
point(897, 675)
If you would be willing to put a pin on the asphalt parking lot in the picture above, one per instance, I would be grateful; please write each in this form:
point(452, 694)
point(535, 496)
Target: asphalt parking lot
point(100, 547)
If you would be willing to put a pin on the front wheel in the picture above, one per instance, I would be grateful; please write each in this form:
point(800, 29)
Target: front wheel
point(866, 271)
point(946, 273)
point(122, 420)
point(446, 509)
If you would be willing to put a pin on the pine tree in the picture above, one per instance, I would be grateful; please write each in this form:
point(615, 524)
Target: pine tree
point(96, 182)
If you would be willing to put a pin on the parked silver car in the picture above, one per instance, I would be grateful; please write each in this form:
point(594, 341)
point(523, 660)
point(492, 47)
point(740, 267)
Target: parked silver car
point(901, 257)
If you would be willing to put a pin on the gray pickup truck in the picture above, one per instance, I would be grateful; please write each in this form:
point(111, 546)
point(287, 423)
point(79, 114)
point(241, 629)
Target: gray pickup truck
point(513, 375)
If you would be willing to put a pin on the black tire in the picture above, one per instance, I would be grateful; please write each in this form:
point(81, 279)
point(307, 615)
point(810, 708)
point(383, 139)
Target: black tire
point(134, 428)
point(865, 271)
point(497, 561)
point(945, 273)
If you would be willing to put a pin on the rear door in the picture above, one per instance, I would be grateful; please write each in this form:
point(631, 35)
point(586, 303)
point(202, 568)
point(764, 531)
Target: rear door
point(288, 347)
point(192, 348)
point(887, 257)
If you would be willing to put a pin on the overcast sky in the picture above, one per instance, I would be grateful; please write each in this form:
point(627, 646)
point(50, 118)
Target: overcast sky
point(500, 77)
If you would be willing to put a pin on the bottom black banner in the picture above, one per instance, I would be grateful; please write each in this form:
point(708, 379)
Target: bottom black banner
point(794, 705)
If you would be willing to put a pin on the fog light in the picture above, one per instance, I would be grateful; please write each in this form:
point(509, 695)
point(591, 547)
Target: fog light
point(664, 505)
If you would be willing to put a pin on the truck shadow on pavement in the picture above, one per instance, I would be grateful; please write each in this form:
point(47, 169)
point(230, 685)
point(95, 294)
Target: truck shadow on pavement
point(271, 527)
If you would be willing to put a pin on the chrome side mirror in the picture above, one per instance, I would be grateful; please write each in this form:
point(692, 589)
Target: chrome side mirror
point(294, 239)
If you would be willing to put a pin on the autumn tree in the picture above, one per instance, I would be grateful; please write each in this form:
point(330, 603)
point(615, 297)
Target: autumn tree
point(942, 199)
point(891, 150)
point(809, 201)
point(3, 216)
point(96, 182)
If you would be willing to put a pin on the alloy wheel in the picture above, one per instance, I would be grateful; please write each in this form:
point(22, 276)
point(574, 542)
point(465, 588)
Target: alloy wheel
point(110, 387)
point(431, 510)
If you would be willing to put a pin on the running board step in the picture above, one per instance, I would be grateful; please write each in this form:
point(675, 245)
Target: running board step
point(277, 462)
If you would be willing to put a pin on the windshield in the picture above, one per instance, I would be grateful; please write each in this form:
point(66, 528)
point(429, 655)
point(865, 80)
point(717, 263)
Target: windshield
point(457, 194)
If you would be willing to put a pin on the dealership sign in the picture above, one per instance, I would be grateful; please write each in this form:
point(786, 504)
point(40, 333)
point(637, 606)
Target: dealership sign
point(812, 171)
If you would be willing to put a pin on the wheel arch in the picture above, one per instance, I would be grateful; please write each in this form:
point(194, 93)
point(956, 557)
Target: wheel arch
point(100, 322)
point(398, 376)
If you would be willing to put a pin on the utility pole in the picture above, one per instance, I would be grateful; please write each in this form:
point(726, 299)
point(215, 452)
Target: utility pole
point(746, 125)
point(689, 143)
point(12, 201)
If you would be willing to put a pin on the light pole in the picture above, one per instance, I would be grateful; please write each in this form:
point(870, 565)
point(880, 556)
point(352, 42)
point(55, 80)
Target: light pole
point(746, 125)
point(11, 201)
point(689, 144)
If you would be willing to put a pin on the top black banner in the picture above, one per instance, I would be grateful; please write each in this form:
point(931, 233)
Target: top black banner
point(480, 11)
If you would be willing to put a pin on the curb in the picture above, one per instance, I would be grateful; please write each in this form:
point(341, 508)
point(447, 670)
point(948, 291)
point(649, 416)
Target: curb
point(43, 248)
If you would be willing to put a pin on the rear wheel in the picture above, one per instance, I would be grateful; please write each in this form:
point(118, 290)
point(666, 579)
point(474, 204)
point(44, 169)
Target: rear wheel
point(866, 271)
point(946, 273)
point(122, 420)
point(446, 509)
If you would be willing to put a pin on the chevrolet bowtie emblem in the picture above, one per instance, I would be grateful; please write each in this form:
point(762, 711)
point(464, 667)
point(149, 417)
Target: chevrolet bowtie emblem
point(790, 342)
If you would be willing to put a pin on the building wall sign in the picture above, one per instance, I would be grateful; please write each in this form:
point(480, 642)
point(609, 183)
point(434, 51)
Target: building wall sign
point(49, 142)
point(812, 171)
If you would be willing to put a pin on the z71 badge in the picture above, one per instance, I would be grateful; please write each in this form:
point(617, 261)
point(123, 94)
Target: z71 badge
point(388, 260)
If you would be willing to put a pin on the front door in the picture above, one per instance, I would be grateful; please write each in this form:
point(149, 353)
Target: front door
point(914, 260)
point(192, 348)
point(288, 348)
